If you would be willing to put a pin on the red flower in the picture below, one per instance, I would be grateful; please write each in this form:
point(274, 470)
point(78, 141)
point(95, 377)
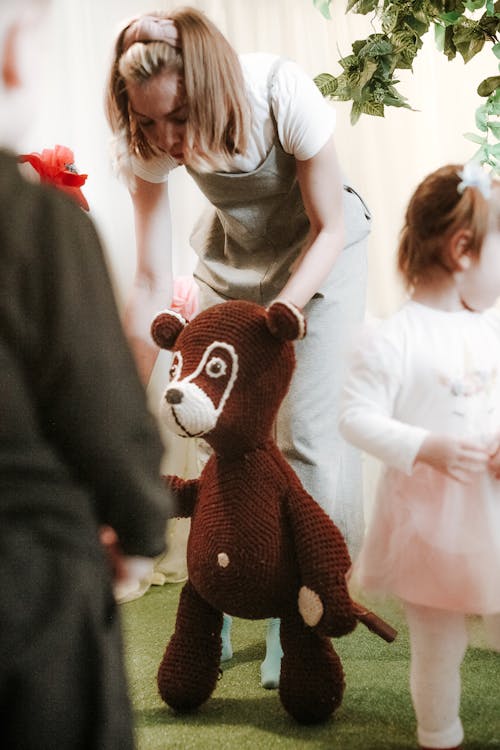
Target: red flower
point(56, 167)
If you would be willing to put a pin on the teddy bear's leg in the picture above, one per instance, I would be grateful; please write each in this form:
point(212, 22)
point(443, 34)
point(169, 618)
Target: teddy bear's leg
point(189, 670)
point(227, 648)
point(271, 666)
point(312, 678)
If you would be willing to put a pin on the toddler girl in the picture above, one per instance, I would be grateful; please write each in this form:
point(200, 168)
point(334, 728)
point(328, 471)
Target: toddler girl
point(423, 396)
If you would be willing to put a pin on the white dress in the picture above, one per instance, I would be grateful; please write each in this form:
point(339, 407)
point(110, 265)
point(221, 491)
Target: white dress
point(432, 540)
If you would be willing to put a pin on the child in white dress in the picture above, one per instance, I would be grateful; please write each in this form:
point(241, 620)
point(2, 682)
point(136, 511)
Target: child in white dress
point(423, 396)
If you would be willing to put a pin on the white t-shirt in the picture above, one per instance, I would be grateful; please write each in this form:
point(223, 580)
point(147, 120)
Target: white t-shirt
point(305, 120)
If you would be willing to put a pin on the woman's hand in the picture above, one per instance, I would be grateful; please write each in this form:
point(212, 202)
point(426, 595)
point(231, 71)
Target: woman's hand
point(457, 458)
point(114, 555)
point(125, 569)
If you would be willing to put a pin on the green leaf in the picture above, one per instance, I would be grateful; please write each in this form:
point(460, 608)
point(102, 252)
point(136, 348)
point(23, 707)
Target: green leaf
point(355, 112)
point(361, 6)
point(367, 73)
point(450, 18)
point(439, 34)
point(450, 49)
point(326, 83)
point(495, 129)
point(469, 39)
point(494, 150)
point(376, 109)
point(336, 88)
point(496, 49)
point(420, 27)
point(377, 46)
point(351, 61)
point(494, 103)
point(406, 46)
point(488, 86)
point(324, 7)
point(396, 101)
point(473, 5)
point(475, 138)
point(481, 116)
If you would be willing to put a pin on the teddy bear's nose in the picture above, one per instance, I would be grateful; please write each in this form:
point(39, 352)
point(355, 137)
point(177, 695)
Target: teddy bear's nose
point(173, 396)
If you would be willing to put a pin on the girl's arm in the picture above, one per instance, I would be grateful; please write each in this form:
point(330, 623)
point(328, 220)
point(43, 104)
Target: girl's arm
point(320, 183)
point(367, 416)
point(455, 457)
point(153, 283)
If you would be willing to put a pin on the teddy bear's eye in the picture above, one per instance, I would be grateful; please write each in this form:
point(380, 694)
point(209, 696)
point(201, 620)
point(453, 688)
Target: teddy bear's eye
point(175, 368)
point(216, 367)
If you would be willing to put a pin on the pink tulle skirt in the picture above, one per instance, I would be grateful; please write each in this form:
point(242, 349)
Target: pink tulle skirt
point(434, 541)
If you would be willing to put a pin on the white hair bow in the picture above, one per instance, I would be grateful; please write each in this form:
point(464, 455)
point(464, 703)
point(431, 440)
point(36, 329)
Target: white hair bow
point(474, 175)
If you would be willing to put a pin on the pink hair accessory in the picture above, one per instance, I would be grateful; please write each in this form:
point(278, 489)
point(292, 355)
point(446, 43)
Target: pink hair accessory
point(185, 296)
point(151, 29)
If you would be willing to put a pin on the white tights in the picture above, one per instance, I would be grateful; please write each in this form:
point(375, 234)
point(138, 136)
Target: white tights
point(438, 641)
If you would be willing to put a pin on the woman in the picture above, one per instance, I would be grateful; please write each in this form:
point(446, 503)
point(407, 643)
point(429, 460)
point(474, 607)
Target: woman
point(255, 134)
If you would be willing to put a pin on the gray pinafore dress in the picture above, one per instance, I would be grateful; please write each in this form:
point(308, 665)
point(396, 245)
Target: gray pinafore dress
point(246, 243)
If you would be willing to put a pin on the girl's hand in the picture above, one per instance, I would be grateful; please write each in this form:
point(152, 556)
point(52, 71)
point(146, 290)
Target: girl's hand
point(458, 458)
point(494, 465)
point(494, 462)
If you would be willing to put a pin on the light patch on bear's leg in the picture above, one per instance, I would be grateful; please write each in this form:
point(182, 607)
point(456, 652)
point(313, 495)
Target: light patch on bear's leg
point(310, 606)
point(223, 559)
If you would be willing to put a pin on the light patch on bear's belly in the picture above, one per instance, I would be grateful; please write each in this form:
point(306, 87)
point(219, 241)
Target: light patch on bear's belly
point(223, 560)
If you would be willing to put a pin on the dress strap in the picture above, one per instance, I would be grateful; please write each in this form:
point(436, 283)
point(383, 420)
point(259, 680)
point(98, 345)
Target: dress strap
point(271, 77)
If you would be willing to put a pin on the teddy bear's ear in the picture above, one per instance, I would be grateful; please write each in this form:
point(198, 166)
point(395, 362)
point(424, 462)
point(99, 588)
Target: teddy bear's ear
point(166, 327)
point(285, 321)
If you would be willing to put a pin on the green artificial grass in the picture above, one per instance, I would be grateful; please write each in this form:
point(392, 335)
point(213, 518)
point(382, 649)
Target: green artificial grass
point(376, 713)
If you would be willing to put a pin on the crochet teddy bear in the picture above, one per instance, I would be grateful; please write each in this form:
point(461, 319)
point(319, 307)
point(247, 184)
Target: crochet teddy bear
point(259, 546)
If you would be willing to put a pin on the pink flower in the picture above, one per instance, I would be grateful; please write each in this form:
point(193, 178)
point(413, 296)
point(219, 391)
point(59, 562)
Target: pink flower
point(56, 167)
point(185, 297)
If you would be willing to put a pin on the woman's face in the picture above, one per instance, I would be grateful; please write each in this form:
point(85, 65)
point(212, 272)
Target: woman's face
point(160, 109)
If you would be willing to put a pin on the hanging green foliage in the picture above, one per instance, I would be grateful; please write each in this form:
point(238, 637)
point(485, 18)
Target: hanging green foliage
point(369, 74)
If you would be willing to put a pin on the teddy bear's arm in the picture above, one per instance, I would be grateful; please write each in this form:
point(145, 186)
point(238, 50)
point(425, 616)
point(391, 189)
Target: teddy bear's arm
point(323, 559)
point(185, 492)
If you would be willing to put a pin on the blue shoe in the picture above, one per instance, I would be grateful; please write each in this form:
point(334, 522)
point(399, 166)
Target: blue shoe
point(271, 666)
point(227, 649)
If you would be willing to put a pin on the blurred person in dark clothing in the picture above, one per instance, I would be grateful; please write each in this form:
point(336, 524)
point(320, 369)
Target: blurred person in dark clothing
point(79, 451)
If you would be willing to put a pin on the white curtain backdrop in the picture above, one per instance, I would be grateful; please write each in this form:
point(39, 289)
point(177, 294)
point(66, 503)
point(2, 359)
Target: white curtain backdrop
point(384, 157)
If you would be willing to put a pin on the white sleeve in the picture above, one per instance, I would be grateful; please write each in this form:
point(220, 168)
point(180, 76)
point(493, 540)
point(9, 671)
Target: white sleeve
point(372, 386)
point(153, 170)
point(304, 118)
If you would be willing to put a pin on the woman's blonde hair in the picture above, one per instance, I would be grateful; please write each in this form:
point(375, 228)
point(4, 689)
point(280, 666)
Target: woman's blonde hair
point(435, 212)
point(218, 111)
